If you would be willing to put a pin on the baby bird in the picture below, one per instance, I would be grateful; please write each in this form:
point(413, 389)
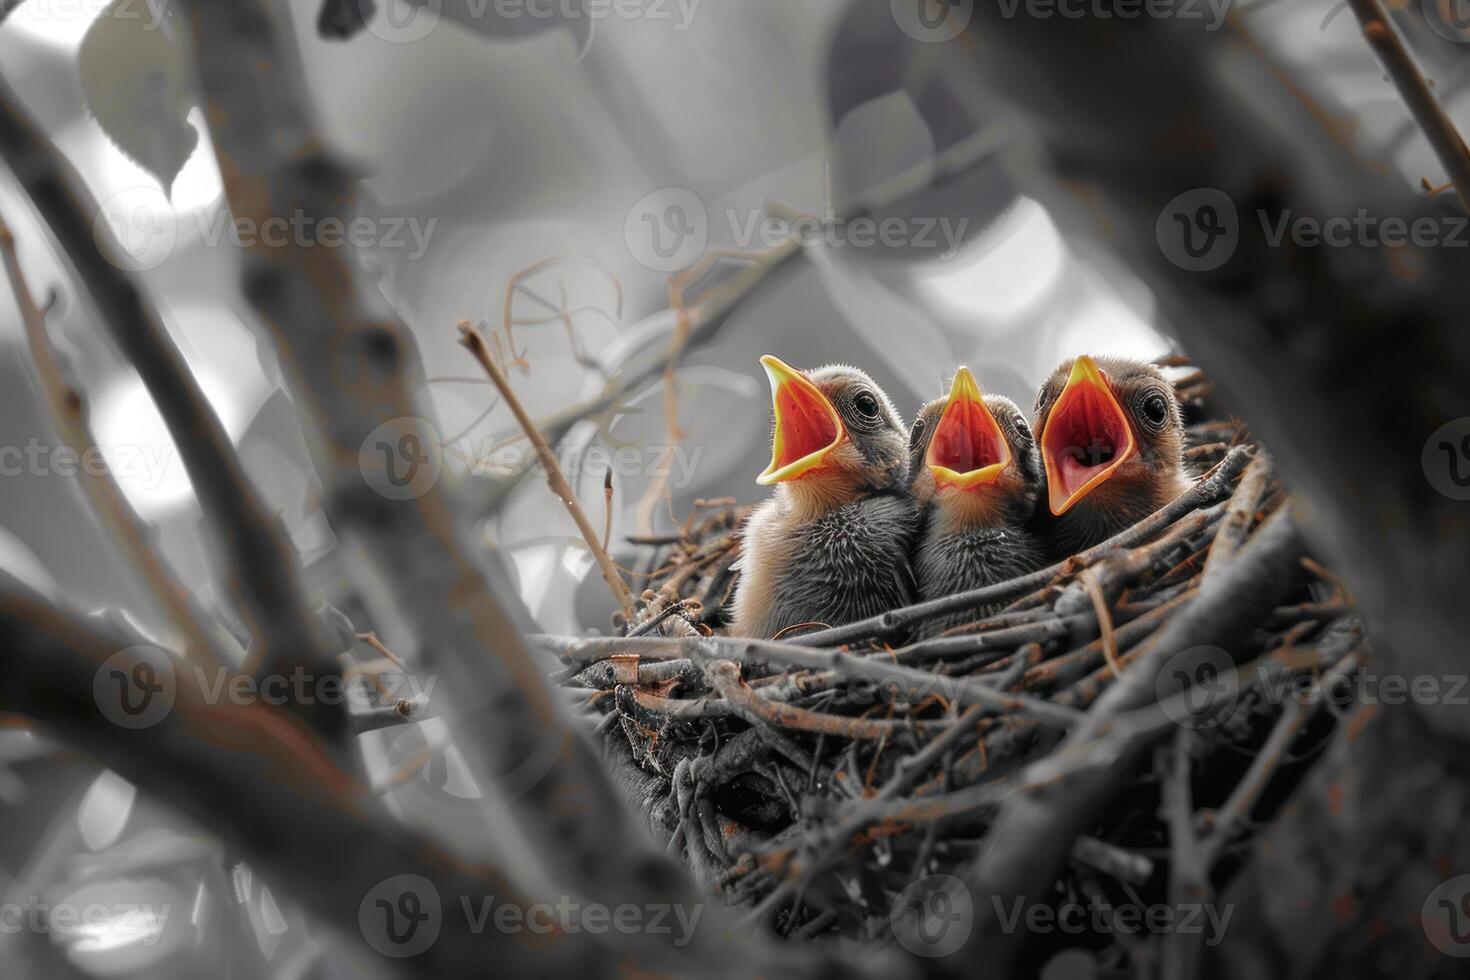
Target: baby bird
point(1112, 442)
point(832, 545)
point(976, 473)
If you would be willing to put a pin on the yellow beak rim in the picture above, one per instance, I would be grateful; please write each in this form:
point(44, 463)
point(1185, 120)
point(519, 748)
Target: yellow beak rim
point(807, 426)
point(967, 412)
point(1089, 395)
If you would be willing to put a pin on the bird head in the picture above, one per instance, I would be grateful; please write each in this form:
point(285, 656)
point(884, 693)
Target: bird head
point(1109, 427)
point(973, 453)
point(835, 430)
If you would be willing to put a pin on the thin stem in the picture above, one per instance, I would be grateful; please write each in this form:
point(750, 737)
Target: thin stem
point(474, 342)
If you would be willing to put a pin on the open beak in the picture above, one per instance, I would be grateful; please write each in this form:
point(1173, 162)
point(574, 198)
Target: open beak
point(1086, 438)
point(968, 448)
point(807, 426)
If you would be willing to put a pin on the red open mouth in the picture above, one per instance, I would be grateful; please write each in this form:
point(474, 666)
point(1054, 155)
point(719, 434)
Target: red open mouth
point(1087, 437)
point(968, 448)
point(807, 426)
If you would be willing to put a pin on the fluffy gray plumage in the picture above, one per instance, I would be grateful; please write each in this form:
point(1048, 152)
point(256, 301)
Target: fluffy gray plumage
point(973, 538)
point(832, 546)
point(848, 564)
point(1152, 478)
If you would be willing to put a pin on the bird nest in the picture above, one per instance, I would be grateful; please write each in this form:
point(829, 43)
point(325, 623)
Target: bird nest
point(1193, 662)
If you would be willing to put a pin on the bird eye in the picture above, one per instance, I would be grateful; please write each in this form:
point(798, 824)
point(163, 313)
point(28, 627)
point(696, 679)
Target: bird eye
point(1023, 431)
point(866, 405)
point(1156, 410)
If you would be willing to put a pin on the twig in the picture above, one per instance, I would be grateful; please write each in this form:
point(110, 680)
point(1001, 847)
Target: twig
point(1268, 760)
point(555, 479)
point(1239, 516)
point(354, 366)
point(203, 644)
point(1206, 491)
point(607, 500)
point(291, 810)
point(1109, 639)
point(724, 677)
point(262, 571)
point(1436, 124)
point(1188, 872)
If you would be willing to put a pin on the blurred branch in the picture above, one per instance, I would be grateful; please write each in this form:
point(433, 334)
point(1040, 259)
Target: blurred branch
point(1303, 340)
point(344, 357)
point(1332, 356)
point(1033, 833)
point(204, 642)
point(288, 808)
point(262, 572)
point(555, 479)
point(1435, 123)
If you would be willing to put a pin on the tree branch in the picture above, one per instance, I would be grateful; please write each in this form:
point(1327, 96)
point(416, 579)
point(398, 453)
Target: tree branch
point(262, 571)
